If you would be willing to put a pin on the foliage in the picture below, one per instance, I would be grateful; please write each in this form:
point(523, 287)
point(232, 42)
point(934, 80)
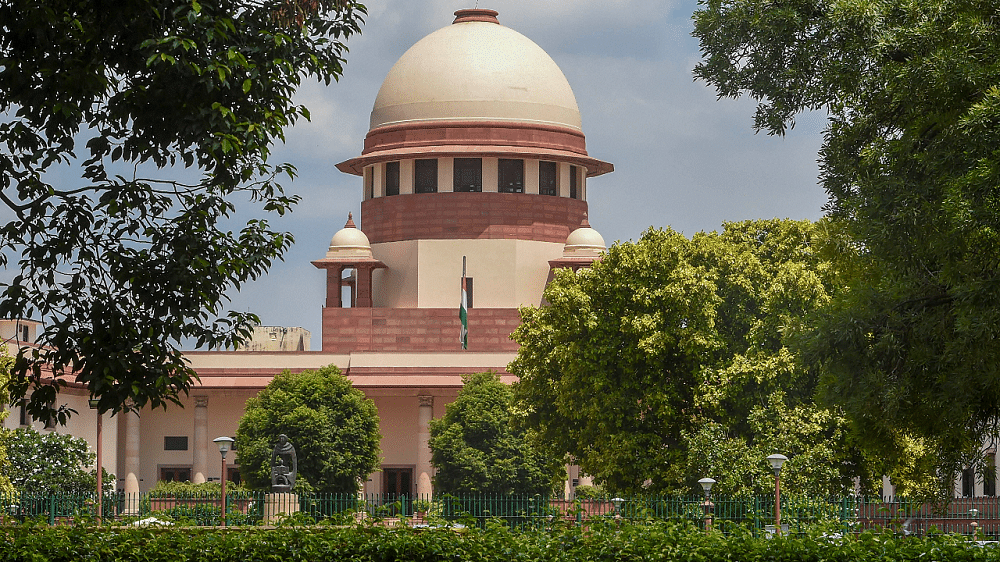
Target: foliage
point(332, 426)
point(585, 492)
point(6, 362)
point(600, 542)
point(165, 488)
point(167, 111)
point(667, 356)
point(50, 462)
point(910, 88)
point(475, 448)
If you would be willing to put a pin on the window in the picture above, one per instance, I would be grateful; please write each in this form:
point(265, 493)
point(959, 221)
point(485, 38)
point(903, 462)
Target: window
point(425, 176)
point(24, 334)
point(23, 411)
point(175, 443)
point(990, 475)
point(547, 178)
point(233, 475)
point(468, 174)
point(175, 473)
point(369, 183)
point(968, 483)
point(392, 178)
point(511, 176)
point(572, 182)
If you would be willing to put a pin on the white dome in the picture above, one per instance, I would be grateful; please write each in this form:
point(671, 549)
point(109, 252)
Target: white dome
point(349, 242)
point(479, 70)
point(584, 241)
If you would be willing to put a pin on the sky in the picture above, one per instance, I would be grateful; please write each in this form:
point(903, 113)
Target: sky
point(683, 159)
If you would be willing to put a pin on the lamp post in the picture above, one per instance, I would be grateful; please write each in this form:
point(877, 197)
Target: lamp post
point(224, 443)
point(94, 405)
point(776, 461)
point(617, 502)
point(706, 485)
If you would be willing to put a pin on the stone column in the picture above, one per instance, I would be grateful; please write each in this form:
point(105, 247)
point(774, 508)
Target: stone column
point(333, 287)
point(424, 468)
point(131, 422)
point(363, 287)
point(199, 461)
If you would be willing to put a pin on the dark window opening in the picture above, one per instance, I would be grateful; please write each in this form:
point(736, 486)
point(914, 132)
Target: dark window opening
point(572, 182)
point(425, 176)
point(370, 184)
point(547, 178)
point(175, 473)
point(24, 334)
point(511, 176)
point(968, 483)
point(468, 174)
point(23, 411)
point(175, 443)
point(990, 475)
point(233, 475)
point(392, 178)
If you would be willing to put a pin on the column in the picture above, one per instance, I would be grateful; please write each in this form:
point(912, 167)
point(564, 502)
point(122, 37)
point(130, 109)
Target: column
point(131, 421)
point(424, 469)
point(199, 461)
point(363, 287)
point(333, 287)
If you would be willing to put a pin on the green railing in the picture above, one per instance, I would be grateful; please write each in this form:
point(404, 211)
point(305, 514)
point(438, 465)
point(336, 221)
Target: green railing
point(969, 516)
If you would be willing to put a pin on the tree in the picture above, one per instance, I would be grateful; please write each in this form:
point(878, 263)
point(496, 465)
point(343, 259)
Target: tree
point(167, 111)
point(6, 361)
point(668, 340)
point(910, 161)
point(332, 426)
point(51, 463)
point(476, 449)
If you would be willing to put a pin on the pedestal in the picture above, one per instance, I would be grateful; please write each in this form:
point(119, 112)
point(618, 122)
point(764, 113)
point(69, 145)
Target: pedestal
point(278, 505)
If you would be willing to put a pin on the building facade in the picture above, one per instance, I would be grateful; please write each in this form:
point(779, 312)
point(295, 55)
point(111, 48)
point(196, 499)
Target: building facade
point(475, 153)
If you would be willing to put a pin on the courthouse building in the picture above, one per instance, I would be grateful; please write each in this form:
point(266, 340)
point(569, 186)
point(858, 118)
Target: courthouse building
point(475, 151)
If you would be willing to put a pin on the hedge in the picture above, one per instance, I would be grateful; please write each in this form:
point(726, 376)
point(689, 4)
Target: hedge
point(606, 542)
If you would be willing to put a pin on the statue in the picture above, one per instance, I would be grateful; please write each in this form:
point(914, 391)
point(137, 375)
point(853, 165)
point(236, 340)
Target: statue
point(282, 473)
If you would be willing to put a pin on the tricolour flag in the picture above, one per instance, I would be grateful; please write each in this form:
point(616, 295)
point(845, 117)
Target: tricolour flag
point(463, 311)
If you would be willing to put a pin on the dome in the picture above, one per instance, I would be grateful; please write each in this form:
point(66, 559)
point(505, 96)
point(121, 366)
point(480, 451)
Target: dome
point(476, 70)
point(349, 242)
point(584, 241)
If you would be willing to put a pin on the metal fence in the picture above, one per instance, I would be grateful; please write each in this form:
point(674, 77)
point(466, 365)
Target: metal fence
point(970, 516)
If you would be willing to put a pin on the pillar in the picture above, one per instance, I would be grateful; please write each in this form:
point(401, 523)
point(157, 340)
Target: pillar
point(333, 287)
point(363, 288)
point(199, 461)
point(424, 469)
point(131, 422)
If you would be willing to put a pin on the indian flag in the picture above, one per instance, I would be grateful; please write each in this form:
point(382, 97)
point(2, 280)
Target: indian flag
point(463, 311)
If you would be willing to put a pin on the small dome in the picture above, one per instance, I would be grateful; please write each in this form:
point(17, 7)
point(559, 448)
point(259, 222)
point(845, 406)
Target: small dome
point(476, 69)
point(584, 242)
point(349, 242)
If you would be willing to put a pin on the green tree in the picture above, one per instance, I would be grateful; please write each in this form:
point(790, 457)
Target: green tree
point(910, 161)
point(476, 449)
point(668, 341)
point(6, 362)
point(332, 426)
point(50, 462)
point(166, 112)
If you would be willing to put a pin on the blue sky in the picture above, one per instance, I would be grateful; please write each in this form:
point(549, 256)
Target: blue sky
point(682, 158)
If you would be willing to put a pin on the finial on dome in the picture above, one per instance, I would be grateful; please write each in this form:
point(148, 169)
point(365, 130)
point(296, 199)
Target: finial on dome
point(586, 222)
point(476, 14)
point(350, 221)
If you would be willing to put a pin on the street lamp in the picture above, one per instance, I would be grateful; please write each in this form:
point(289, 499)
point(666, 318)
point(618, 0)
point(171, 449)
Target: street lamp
point(94, 405)
point(617, 502)
point(776, 461)
point(225, 444)
point(706, 485)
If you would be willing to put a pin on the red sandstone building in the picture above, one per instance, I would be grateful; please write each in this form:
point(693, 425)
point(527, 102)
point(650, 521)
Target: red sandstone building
point(475, 150)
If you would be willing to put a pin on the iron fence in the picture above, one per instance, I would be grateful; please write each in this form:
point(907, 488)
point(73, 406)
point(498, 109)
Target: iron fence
point(969, 516)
